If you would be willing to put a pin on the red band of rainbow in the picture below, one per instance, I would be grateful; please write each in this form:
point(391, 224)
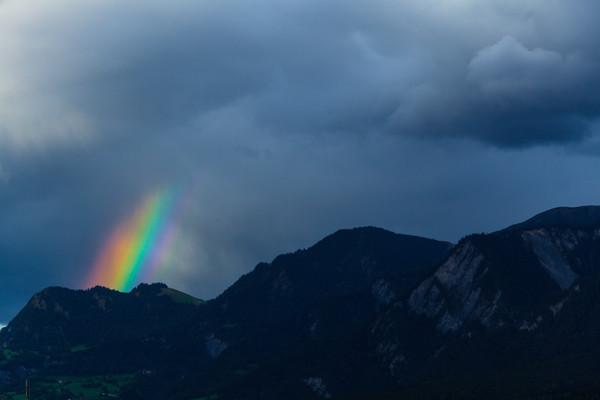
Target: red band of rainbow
point(137, 246)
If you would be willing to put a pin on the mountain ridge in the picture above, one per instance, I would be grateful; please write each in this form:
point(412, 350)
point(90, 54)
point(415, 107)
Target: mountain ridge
point(362, 310)
point(562, 216)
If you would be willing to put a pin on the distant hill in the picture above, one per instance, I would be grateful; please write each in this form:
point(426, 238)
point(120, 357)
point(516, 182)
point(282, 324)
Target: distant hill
point(344, 262)
point(363, 314)
point(58, 318)
point(562, 216)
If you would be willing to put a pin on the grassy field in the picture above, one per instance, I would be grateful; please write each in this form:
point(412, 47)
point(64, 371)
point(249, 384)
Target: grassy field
point(99, 387)
point(6, 356)
point(180, 297)
point(81, 347)
point(9, 354)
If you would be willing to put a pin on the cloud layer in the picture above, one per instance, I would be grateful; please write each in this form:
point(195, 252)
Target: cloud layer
point(290, 119)
point(507, 73)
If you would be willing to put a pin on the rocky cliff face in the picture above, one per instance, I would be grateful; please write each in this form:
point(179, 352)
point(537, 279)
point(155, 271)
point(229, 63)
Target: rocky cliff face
point(566, 253)
point(471, 284)
point(453, 294)
point(511, 281)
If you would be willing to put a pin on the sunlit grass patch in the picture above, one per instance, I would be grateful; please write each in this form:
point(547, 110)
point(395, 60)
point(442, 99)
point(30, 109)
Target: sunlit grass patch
point(95, 387)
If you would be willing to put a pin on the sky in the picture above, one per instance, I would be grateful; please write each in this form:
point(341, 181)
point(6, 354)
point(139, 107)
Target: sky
point(259, 127)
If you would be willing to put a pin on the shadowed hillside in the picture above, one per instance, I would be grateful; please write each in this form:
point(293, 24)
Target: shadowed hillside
point(364, 313)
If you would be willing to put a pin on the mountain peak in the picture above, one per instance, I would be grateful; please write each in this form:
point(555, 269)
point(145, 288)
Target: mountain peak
point(562, 216)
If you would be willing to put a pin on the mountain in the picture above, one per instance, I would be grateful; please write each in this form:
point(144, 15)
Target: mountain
point(520, 296)
point(364, 313)
point(584, 216)
point(57, 317)
point(344, 262)
point(281, 312)
point(153, 331)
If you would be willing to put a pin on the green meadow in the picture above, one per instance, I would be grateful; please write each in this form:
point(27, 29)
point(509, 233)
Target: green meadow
point(98, 387)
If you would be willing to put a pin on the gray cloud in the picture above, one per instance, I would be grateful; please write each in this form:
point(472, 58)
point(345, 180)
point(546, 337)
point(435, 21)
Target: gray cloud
point(511, 96)
point(511, 74)
point(290, 120)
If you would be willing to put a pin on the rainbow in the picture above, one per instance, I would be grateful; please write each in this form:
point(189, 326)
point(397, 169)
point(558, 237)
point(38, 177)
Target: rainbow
point(136, 248)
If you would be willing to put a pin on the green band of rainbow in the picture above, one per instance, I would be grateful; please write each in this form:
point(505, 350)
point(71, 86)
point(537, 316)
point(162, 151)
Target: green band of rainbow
point(137, 246)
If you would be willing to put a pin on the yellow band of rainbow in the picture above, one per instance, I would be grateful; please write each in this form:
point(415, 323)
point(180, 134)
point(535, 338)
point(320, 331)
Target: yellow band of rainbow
point(136, 247)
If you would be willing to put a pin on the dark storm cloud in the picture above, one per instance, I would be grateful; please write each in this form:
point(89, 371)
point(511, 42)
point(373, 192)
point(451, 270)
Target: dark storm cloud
point(511, 74)
point(288, 119)
point(514, 92)
point(534, 96)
